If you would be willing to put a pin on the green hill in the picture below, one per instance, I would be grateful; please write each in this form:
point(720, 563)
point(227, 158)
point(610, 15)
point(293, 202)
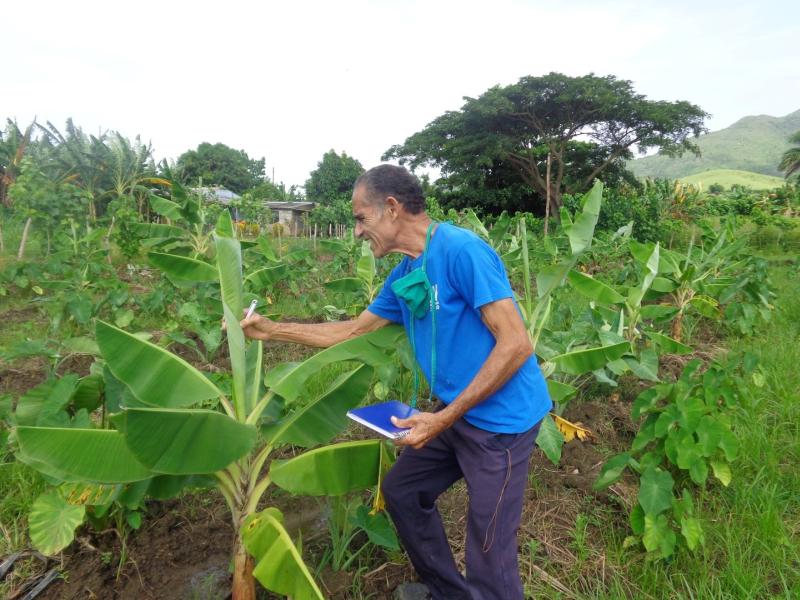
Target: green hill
point(729, 177)
point(751, 144)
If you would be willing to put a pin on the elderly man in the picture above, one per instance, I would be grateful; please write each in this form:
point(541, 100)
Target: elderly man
point(470, 341)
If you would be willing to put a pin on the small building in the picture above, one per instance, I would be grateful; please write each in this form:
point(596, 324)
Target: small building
point(291, 215)
point(221, 195)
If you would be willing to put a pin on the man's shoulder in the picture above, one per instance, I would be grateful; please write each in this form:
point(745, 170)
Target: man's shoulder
point(458, 238)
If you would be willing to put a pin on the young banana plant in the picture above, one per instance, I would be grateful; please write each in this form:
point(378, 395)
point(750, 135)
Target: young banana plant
point(176, 422)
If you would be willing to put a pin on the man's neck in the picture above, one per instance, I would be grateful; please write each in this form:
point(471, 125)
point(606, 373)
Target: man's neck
point(411, 240)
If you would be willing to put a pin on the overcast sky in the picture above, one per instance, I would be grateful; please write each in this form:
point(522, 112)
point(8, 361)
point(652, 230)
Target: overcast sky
point(290, 80)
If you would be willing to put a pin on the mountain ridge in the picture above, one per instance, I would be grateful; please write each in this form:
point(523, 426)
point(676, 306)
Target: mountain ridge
point(754, 143)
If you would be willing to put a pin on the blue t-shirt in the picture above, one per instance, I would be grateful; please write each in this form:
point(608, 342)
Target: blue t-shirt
point(465, 274)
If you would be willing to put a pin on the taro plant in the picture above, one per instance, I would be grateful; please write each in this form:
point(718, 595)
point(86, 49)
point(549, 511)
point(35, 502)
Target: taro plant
point(684, 438)
point(172, 422)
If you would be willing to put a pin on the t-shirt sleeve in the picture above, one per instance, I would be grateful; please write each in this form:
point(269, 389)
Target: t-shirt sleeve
point(479, 275)
point(386, 304)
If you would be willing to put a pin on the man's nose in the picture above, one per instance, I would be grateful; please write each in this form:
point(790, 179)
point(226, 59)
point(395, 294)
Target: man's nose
point(358, 230)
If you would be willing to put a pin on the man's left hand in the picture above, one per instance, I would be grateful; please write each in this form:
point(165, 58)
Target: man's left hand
point(424, 427)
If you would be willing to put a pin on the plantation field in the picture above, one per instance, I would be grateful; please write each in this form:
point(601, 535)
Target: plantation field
point(667, 469)
point(731, 177)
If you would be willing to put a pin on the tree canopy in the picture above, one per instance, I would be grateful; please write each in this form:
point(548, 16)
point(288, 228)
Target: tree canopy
point(332, 181)
point(499, 142)
point(220, 165)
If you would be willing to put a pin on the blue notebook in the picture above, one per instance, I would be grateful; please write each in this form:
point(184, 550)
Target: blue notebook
point(376, 417)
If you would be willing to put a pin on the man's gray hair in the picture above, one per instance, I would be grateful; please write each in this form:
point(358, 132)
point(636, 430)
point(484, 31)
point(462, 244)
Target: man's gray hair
point(389, 180)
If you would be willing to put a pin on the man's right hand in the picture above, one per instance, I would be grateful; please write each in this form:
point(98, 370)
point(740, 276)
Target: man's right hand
point(257, 327)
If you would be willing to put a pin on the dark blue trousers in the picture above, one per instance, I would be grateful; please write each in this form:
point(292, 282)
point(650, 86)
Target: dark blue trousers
point(495, 467)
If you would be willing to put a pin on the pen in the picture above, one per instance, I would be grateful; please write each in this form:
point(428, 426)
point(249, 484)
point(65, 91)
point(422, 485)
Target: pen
point(252, 309)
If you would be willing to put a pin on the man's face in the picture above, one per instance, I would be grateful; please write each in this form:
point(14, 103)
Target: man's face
point(372, 224)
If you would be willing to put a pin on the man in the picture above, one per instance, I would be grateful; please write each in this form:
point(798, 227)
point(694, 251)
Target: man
point(491, 391)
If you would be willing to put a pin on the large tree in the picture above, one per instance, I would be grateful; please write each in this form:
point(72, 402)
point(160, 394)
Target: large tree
point(332, 181)
point(790, 163)
point(220, 165)
point(588, 125)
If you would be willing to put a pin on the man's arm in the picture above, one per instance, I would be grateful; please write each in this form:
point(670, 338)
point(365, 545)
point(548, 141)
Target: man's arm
point(320, 335)
point(512, 349)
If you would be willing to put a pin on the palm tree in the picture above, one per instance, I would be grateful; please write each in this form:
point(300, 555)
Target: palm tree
point(790, 163)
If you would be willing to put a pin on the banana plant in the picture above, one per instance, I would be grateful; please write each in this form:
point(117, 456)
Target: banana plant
point(576, 357)
point(174, 421)
point(359, 290)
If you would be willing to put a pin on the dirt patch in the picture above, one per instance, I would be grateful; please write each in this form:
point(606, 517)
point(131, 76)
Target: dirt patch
point(18, 376)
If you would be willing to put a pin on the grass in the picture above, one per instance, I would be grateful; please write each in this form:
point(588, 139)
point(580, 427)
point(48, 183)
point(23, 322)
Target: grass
point(729, 177)
point(753, 527)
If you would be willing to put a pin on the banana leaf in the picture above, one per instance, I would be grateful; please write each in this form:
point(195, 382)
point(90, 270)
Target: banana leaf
point(279, 565)
point(182, 268)
point(224, 227)
point(236, 349)
point(581, 231)
point(322, 418)
point(165, 208)
point(560, 392)
point(667, 344)
point(154, 375)
point(99, 455)
point(254, 356)
point(346, 285)
point(268, 276)
point(593, 289)
point(186, 442)
point(550, 277)
point(365, 267)
point(550, 439)
point(331, 470)
point(229, 265)
point(368, 349)
point(590, 359)
point(157, 230)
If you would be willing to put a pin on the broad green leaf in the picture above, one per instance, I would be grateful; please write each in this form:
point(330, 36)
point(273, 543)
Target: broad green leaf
point(81, 345)
point(365, 268)
point(154, 375)
point(550, 277)
point(637, 520)
point(691, 411)
point(658, 536)
point(692, 532)
point(236, 351)
point(612, 470)
point(254, 356)
point(594, 290)
point(157, 230)
point(560, 392)
point(345, 285)
point(331, 470)
point(636, 294)
point(44, 405)
point(663, 285)
point(729, 444)
point(581, 231)
point(667, 344)
point(657, 312)
point(88, 392)
point(224, 227)
point(165, 208)
point(368, 349)
point(722, 471)
point(88, 494)
point(378, 529)
point(475, 224)
point(52, 523)
point(98, 455)
point(706, 306)
point(183, 268)
point(655, 491)
point(646, 367)
point(229, 266)
point(324, 417)
point(279, 565)
point(709, 434)
point(589, 359)
point(267, 277)
point(186, 442)
point(698, 471)
point(550, 439)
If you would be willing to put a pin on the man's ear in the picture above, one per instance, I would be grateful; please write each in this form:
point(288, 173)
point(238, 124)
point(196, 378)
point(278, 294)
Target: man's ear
point(393, 206)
